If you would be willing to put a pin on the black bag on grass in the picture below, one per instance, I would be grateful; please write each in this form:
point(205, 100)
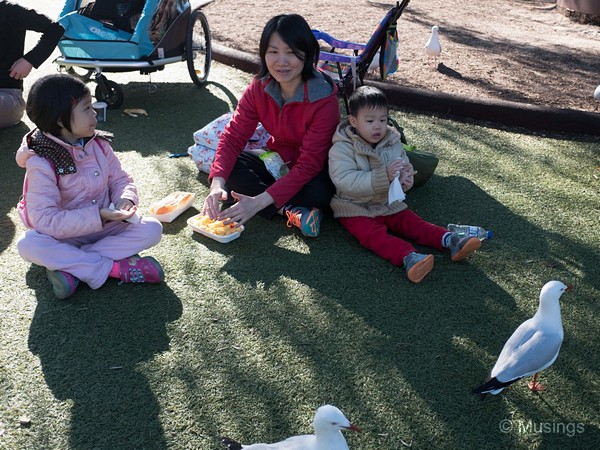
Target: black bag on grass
point(424, 163)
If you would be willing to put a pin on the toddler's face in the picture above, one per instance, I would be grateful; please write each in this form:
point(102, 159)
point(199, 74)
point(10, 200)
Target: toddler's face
point(370, 123)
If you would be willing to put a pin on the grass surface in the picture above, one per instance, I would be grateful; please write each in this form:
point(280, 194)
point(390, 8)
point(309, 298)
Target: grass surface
point(247, 339)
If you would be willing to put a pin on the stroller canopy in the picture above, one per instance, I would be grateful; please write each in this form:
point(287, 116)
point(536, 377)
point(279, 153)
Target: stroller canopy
point(97, 35)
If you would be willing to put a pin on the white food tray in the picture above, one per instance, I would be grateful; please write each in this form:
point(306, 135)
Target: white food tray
point(216, 237)
point(171, 216)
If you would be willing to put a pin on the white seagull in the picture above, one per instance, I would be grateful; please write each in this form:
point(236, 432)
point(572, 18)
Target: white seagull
point(433, 48)
point(328, 423)
point(533, 346)
point(597, 93)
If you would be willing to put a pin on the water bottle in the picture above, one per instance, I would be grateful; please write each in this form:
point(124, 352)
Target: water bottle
point(470, 230)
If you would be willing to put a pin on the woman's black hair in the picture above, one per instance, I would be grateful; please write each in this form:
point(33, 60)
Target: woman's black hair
point(295, 32)
point(52, 99)
point(366, 97)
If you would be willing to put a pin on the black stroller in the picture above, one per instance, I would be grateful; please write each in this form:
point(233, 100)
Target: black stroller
point(350, 68)
point(131, 35)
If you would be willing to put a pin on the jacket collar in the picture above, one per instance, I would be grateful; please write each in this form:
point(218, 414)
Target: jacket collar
point(56, 150)
point(316, 88)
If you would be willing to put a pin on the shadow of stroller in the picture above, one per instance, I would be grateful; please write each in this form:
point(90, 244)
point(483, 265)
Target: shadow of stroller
point(91, 353)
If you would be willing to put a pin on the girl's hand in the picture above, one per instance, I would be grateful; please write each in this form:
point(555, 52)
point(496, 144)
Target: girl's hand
point(245, 208)
point(124, 204)
point(215, 196)
point(113, 215)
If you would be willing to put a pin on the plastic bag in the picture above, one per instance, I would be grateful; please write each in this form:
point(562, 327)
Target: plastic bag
point(274, 164)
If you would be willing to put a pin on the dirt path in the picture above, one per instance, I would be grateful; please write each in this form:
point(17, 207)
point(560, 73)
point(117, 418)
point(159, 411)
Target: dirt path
point(512, 50)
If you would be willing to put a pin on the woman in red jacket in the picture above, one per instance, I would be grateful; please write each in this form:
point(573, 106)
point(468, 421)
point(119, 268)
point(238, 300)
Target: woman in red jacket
point(298, 107)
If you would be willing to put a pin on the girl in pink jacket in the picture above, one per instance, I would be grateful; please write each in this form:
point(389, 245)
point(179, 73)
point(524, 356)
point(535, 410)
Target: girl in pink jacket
point(298, 107)
point(80, 204)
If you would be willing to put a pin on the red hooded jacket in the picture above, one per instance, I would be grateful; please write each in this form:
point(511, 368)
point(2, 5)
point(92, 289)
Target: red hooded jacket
point(301, 131)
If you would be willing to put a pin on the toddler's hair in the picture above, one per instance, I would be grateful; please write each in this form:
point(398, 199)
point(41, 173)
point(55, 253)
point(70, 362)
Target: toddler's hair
point(52, 99)
point(366, 97)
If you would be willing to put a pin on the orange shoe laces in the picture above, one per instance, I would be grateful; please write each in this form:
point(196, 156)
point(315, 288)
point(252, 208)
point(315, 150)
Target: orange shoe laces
point(293, 219)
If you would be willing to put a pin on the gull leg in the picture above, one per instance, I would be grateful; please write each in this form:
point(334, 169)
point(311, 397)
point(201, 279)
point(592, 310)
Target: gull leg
point(535, 386)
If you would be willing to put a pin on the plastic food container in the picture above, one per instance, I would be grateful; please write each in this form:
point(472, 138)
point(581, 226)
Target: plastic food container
point(217, 237)
point(176, 203)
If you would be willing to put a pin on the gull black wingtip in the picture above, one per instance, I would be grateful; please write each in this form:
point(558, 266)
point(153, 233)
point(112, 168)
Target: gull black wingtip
point(231, 444)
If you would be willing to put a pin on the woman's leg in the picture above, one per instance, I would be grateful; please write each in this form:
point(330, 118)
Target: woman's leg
point(316, 193)
point(12, 107)
point(250, 177)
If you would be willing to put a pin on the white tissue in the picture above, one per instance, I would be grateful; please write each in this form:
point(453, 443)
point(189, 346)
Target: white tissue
point(395, 192)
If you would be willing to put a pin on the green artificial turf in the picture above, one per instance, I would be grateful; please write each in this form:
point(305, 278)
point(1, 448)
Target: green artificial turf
point(247, 339)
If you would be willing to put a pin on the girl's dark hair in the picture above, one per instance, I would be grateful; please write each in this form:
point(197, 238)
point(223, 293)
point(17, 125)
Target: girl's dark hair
point(366, 97)
point(52, 99)
point(295, 32)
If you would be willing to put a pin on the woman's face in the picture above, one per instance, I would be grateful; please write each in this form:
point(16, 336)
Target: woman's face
point(283, 64)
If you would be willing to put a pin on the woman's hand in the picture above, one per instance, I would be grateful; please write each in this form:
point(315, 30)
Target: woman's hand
point(20, 69)
point(217, 194)
point(245, 208)
point(112, 215)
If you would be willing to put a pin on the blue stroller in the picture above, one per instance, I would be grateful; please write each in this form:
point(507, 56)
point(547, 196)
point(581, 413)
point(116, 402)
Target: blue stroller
point(130, 35)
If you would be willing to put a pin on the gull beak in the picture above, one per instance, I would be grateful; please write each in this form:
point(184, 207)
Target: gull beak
point(569, 287)
point(353, 427)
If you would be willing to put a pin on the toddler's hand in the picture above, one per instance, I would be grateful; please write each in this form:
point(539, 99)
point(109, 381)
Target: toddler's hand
point(395, 168)
point(407, 177)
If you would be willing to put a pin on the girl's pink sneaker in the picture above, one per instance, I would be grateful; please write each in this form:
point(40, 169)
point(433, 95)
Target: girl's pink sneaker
point(137, 269)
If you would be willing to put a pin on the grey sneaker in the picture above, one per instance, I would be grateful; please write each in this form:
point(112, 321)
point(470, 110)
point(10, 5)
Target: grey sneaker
point(462, 247)
point(63, 283)
point(417, 265)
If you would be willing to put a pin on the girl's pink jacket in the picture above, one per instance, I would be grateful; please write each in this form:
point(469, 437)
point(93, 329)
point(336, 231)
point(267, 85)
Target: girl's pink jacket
point(68, 206)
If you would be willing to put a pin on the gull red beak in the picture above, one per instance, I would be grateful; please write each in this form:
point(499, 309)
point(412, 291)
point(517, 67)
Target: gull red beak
point(353, 427)
point(569, 287)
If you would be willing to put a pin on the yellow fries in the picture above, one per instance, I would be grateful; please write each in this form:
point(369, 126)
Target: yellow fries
point(215, 226)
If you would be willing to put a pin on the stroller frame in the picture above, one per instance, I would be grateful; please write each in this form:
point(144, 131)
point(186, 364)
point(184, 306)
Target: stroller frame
point(187, 38)
point(357, 65)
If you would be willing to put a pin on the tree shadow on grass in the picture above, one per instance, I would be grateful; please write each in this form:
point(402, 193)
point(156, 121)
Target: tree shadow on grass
point(91, 348)
point(361, 318)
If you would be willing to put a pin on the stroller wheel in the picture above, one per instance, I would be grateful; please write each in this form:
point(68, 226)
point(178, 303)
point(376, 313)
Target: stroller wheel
point(198, 47)
point(109, 92)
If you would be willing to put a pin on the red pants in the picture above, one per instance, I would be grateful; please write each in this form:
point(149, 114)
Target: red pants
point(372, 233)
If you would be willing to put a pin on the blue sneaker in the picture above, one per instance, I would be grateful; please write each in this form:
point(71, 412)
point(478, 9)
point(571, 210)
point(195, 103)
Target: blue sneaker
point(462, 247)
point(417, 265)
point(63, 283)
point(308, 220)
